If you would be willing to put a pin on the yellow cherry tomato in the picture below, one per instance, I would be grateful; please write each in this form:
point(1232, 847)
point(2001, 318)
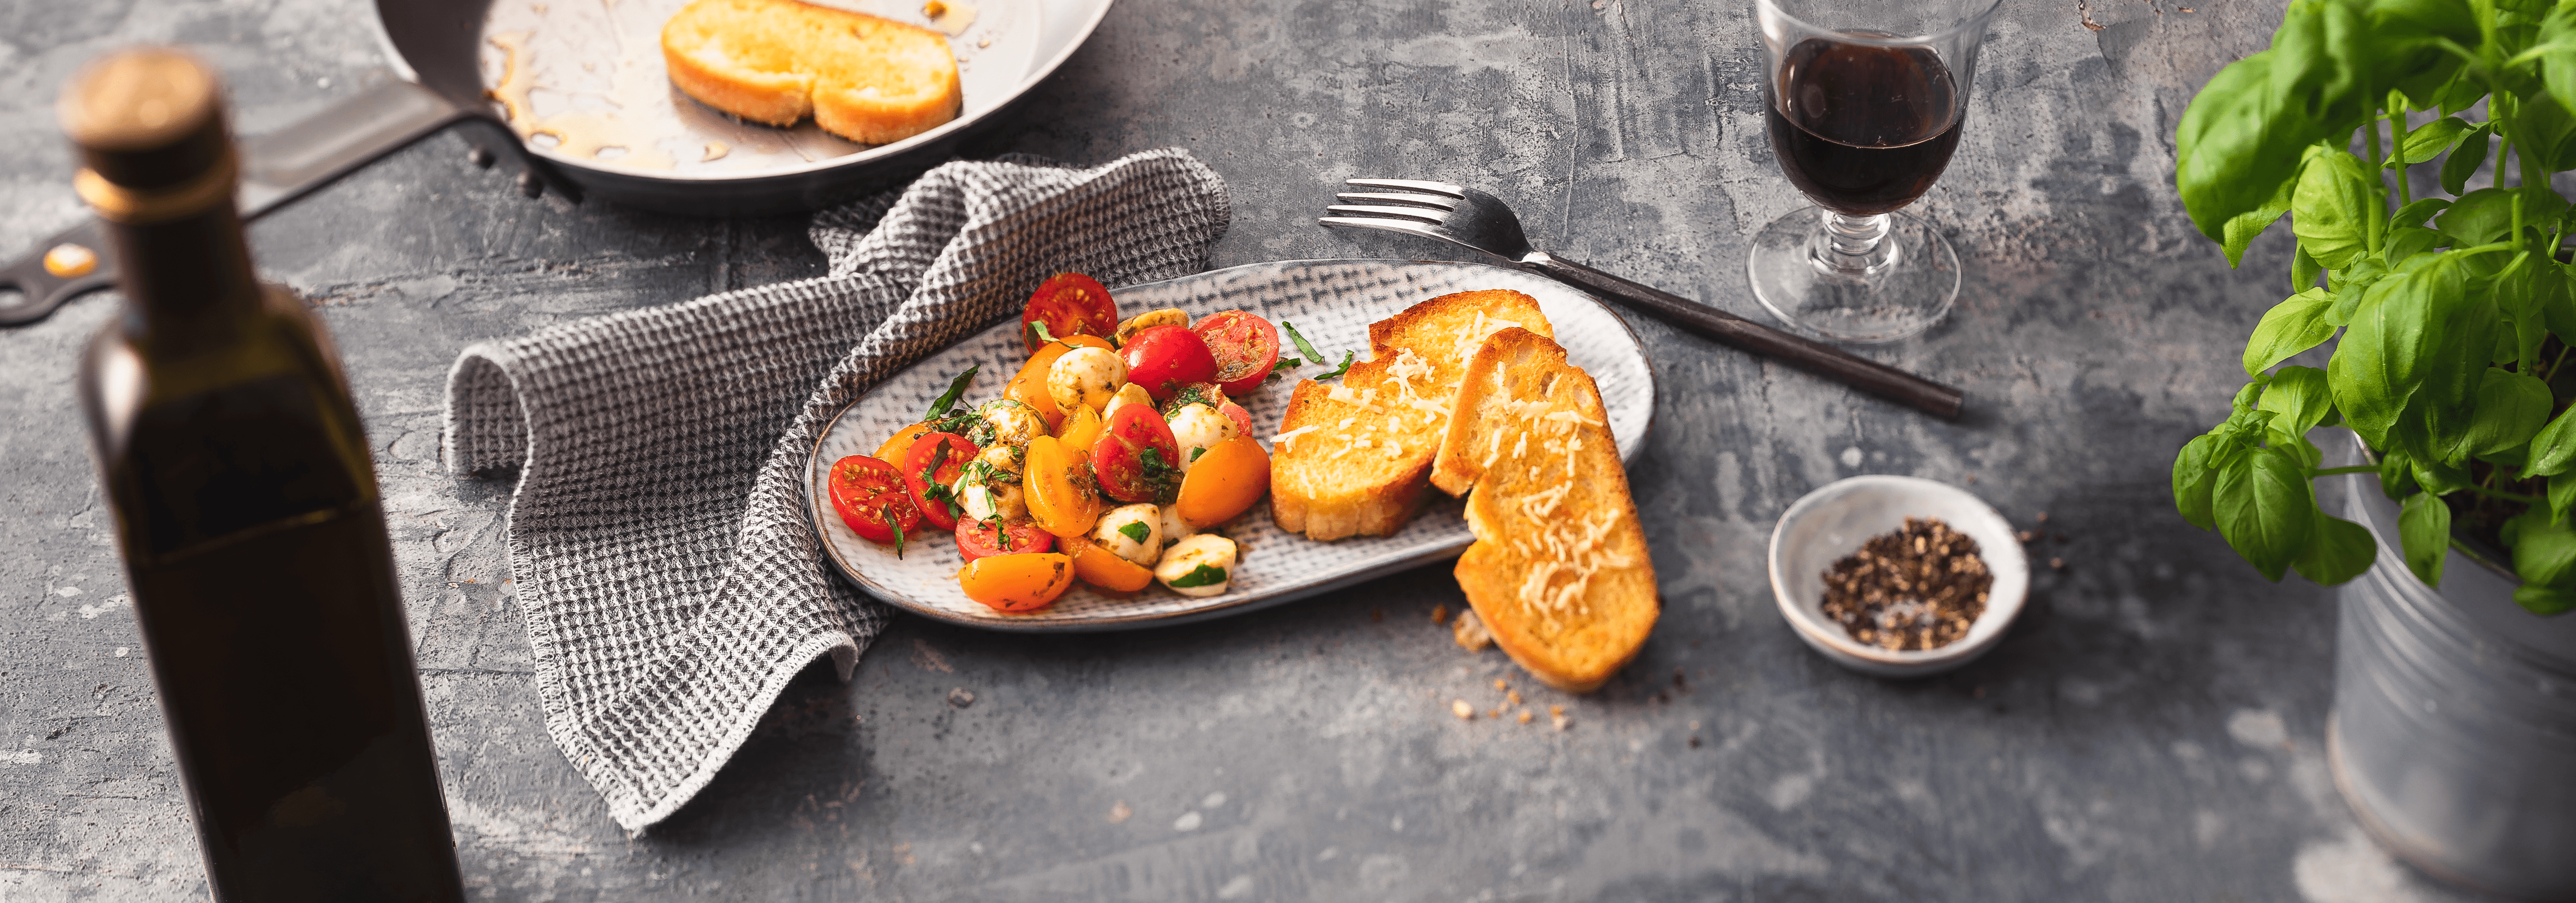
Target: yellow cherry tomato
point(1017, 583)
point(1103, 568)
point(894, 449)
point(1058, 489)
point(1224, 482)
point(1082, 427)
point(1029, 386)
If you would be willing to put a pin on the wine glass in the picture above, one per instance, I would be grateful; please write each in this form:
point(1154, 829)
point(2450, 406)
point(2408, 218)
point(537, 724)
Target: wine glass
point(1865, 99)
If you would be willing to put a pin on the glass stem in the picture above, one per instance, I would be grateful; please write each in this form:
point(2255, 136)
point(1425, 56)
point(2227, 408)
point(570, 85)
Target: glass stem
point(1855, 243)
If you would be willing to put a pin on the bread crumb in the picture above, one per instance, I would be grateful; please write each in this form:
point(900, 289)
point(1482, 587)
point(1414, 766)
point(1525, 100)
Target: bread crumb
point(1376, 615)
point(1499, 684)
point(1556, 711)
point(1470, 633)
point(1440, 614)
point(1562, 721)
point(1497, 713)
point(1464, 711)
point(2043, 517)
point(1119, 812)
point(1512, 697)
point(1525, 716)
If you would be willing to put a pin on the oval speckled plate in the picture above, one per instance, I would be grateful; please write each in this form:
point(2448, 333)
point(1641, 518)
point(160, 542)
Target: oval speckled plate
point(1332, 302)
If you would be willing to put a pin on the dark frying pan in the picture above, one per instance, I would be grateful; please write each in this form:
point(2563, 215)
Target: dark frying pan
point(435, 47)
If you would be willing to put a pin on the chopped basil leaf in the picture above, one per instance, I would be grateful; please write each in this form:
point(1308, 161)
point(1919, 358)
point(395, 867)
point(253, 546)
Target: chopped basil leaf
point(1344, 368)
point(1136, 530)
point(1165, 479)
point(1285, 363)
point(898, 531)
point(1038, 328)
point(1195, 453)
point(956, 389)
point(1204, 575)
point(1303, 347)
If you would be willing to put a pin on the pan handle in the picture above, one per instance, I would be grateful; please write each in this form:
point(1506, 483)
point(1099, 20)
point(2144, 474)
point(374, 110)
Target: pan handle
point(276, 168)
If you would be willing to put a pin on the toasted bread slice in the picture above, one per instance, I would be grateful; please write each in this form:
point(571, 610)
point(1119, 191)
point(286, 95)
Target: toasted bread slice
point(1559, 572)
point(870, 80)
point(1352, 459)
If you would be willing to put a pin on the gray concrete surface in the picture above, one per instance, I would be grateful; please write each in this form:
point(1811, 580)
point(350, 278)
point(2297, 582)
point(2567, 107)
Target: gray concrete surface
point(2151, 730)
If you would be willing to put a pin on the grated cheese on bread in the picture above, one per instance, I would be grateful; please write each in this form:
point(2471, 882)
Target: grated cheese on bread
point(1559, 572)
point(870, 80)
point(1352, 459)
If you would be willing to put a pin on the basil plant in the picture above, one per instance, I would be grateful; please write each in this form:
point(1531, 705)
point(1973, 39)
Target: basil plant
point(2455, 311)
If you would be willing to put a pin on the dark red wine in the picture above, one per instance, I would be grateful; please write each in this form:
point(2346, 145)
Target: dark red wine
point(1862, 129)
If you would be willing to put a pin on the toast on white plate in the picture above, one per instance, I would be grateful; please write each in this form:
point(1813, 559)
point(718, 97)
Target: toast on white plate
point(867, 79)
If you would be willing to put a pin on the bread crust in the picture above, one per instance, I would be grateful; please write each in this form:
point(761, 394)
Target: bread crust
point(867, 79)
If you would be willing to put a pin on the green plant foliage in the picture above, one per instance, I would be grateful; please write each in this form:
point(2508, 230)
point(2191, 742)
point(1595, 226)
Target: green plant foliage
point(2446, 315)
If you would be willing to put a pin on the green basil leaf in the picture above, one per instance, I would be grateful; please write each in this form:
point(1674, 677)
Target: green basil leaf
point(2424, 534)
point(2478, 217)
point(2407, 241)
point(1347, 357)
point(2525, 294)
point(2338, 550)
point(1135, 530)
point(2418, 213)
point(2429, 141)
point(2304, 270)
point(2562, 494)
point(2553, 447)
point(2385, 351)
point(2348, 286)
point(2242, 229)
point(2237, 143)
point(1203, 575)
point(2299, 399)
point(956, 388)
point(2296, 324)
point(2396, 474)
point(2544, 552)
point(2193, 478)
point(2250, 396)
point(2335, 207)
point(2265, 508)
point(2544, 600)
point(1303, 347)
point(2511, 407)
point(2467, 158)
point(2557, 49)
point(2548, 133)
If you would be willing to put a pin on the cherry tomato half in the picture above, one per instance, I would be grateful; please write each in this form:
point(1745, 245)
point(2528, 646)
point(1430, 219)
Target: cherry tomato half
point(918, 461)
point(1242, 418)
point(1057, 481)
point(895, 446)
point(1224, 483)
point(1165, 358)
point(1245, 346)
point(1103, 568)
point(1069, 304)
point(987, 538)
point(1017, 582)
point(1120, 458)
point(870, 496)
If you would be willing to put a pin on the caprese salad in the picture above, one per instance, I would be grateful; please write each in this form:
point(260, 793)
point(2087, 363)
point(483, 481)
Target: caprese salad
point(1109, 457)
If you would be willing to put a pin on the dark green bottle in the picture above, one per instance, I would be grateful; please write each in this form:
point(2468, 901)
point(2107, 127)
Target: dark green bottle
point(247, 510)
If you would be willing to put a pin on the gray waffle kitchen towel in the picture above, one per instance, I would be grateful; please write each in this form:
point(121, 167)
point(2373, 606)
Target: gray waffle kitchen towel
point(666, 570)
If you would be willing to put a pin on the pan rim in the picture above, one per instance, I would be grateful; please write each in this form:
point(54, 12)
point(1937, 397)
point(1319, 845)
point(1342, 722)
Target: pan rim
point(1082, 36)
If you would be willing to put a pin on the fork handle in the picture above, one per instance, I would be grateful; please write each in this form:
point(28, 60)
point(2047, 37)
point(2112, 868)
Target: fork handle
point(1733, 331)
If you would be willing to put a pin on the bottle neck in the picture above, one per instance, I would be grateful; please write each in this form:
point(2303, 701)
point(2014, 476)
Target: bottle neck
point(187, 281)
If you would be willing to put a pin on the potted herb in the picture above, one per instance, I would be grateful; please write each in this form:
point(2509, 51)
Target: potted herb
point(2452, 313)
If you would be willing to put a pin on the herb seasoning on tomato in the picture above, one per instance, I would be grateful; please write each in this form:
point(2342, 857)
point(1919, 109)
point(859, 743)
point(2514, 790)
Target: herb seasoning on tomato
point(930, 471)
point(987, 538)
point(1068, 304)
point(1137, 459)
point(1246, 348)
point(871, 497)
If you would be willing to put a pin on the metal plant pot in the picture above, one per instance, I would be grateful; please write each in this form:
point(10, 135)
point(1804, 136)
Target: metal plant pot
point(2454, 727)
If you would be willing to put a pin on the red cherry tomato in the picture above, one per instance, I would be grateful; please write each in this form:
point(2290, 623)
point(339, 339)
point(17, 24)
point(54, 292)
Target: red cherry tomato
point(1069, 304)
point(1167, 357)
point(1245, 346)
point(1242, 418)
point(916, 462)
point(1120, 461)
point(870, 496)
point(987, 538)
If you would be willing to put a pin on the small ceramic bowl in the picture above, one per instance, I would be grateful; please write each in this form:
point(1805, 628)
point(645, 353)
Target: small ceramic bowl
point(1833, 522)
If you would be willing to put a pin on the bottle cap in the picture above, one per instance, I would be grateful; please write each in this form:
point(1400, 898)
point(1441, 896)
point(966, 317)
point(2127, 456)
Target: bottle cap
point(149, 124)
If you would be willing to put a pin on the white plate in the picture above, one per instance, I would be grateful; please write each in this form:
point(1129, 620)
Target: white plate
point(1332, 302)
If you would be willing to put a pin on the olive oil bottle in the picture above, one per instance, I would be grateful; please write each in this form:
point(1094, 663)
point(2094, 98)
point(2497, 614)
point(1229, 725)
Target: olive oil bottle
point(247, 510)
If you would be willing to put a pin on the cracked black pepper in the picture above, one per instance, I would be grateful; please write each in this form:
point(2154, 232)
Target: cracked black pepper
point(1919, 587)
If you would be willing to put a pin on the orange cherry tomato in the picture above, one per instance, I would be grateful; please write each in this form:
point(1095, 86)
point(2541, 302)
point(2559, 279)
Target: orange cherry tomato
point(1017, 583)
point(1224, 482)
point(1056, 481)
point(1082, 427)
point(1029, 386)
point(894, 449)
point(1103, 568)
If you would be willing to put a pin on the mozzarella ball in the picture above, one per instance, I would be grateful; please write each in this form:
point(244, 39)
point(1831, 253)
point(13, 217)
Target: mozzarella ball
point(1086, 376)
point(1174, 528)
point(1006, 423)
point(991, 501)
point(1182, 564)
point(1128, 394)
point(1197, 428)
point(1132, 532)
point(1004, 458)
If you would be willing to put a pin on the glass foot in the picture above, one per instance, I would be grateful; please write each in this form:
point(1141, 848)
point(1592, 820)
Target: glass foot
point(1857, 280)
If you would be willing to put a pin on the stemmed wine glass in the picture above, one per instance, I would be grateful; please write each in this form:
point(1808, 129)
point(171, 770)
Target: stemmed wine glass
point(1865, 99)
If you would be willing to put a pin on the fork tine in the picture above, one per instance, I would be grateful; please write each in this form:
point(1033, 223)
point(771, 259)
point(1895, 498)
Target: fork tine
point(1426, 200)
point(1411, 185)
point(1390, 225)
point(1405, 213)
